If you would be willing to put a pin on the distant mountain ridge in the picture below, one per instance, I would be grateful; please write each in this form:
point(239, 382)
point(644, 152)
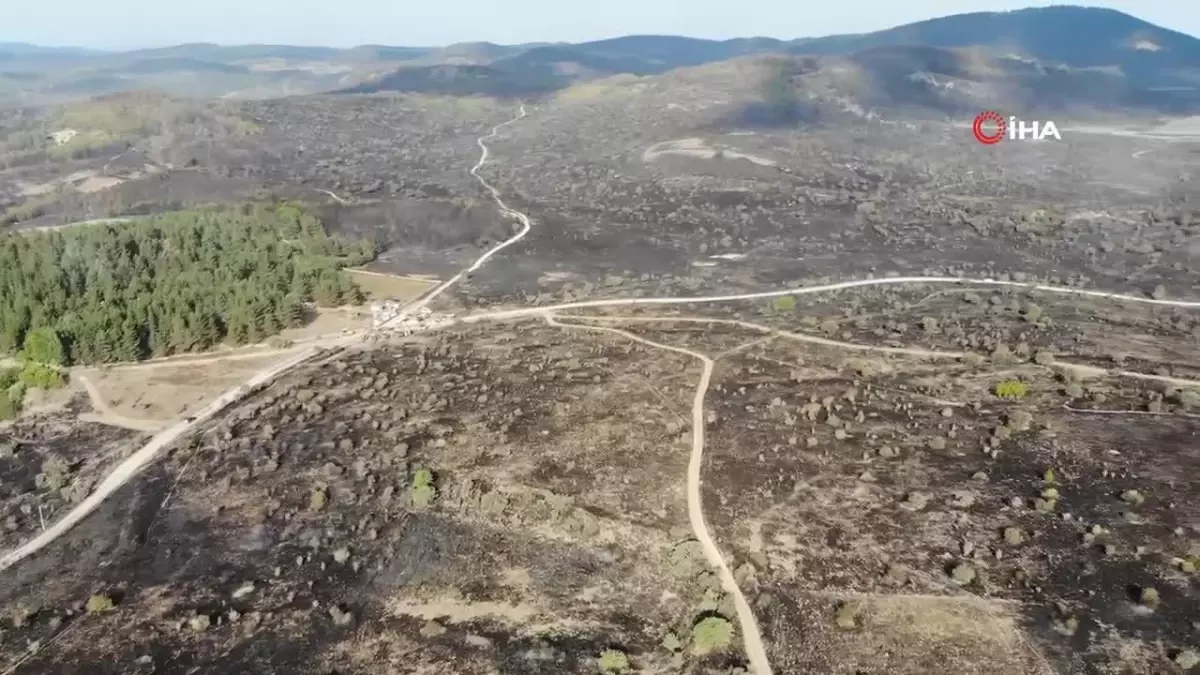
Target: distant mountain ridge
point(1042, 47)
point(1058, 52)
point(1079, 37)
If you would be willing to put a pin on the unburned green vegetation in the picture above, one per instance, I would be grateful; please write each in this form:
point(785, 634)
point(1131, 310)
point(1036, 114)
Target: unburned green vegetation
point(15, 382)
point(170, 283)
point(11, 393)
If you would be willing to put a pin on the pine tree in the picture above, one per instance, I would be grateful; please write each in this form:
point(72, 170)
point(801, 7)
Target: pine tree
point(170, 282)
point(239, 330)
point(326, 292)
point(290, 311)
point(14, 323)
point(207, 332)
point(128, 345)
point(351, 294)
point(181, 339)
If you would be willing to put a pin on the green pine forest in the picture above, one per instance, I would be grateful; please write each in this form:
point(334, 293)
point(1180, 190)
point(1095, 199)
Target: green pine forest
point(169, 283)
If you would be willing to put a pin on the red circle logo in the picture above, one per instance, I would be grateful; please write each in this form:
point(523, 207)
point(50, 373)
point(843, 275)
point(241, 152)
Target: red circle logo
point(989, 117)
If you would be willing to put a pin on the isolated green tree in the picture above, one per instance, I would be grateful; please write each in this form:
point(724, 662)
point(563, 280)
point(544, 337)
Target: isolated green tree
point(43, 345)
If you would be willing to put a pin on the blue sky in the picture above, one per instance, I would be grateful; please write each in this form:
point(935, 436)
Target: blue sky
point(122, 24)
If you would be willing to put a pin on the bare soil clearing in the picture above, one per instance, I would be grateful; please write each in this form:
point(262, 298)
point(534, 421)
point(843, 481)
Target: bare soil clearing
point(699, 148)
point(104, 413)
point(390, 286)
point(168, 392)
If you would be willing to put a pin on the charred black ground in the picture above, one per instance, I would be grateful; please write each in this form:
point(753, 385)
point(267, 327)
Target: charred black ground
point(1011, 489)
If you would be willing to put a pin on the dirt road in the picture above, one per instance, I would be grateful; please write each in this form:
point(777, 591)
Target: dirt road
point(752, 642)
point(336, 198)
point(104, 414)
point(748, 625)
point(825, 288)
point(916, 352)
point(128, 468)
point(504, 210)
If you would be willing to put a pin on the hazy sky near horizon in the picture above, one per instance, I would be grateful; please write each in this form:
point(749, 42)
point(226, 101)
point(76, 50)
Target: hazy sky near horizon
point(127, 24)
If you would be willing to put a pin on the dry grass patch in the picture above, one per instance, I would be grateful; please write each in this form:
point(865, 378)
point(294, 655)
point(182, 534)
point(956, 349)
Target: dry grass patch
point(900, 634)
point(165, 392)
point(457, 610)
point(701, 149)
point(382, 286)
point(328, 322)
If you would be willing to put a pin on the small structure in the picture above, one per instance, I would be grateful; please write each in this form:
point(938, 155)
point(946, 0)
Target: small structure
point(383, 312)
point(394, 319)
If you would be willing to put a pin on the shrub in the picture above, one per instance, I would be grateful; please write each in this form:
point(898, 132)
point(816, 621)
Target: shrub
point(1002, 355)
point(423, 491)
point(712, 634)
point(1012, 390)
point(1020, 420)
point(100, 603)
point(786, 303)
point(8, 377)
point(57, 471)
point(42, 376)
point(318, 498)
point(44, 345)
point(1149, 597)
point(21, 615)
point(1044, 357)
point(973, 360)
point(847, 615)
point(614, 661)
point(1188, 398)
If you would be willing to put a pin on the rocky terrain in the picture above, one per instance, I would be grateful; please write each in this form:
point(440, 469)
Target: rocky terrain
point(509, 498)
point(934, 476)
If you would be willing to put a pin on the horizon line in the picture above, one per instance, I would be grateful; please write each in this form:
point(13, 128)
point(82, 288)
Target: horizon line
point(123, 50)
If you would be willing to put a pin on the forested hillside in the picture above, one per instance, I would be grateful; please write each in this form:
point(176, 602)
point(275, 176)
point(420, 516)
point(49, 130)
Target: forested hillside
point(169, 283)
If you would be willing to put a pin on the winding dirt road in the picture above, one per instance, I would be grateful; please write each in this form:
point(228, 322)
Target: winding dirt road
point(915, 352)
point(750, 632)
point(336, 198)
point(756, 650)
point(504, 210)
point(129, 467)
